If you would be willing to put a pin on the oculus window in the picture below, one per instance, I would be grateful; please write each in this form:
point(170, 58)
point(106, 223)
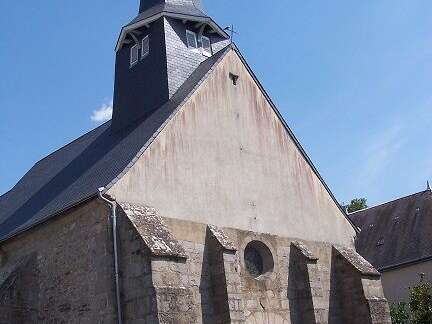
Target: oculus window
point(191, 39)
point(134, 54)
point(145, 47)
point(206, 46)
point(258, 259)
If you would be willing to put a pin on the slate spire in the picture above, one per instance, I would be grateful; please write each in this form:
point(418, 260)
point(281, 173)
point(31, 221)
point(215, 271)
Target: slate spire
point(157, 52)
point(147, 4)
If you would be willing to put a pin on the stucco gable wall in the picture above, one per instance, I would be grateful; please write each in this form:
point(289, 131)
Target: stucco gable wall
point(226, 159)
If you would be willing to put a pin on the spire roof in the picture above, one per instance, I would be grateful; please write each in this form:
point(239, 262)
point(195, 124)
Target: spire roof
point(147, 4)
point(186, 10)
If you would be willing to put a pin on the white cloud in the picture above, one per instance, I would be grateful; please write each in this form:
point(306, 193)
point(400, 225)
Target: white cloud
point(103, 113)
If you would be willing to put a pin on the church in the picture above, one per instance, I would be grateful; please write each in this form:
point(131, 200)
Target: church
point(194, 204)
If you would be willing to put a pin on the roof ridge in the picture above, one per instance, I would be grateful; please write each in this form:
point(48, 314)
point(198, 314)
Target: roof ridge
point(388, 202)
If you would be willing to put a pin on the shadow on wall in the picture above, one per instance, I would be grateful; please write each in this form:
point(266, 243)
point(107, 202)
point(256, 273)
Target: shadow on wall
point(347, 301)
point(213, 286)
point(299, 290)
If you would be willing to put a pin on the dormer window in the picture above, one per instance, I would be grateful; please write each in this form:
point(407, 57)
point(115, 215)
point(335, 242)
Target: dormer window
point(191, 40)
point(134, 54)
point(206, 46)
point(145, 47)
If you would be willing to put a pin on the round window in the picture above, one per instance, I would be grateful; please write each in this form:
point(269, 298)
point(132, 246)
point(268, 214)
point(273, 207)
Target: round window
point(258, 259)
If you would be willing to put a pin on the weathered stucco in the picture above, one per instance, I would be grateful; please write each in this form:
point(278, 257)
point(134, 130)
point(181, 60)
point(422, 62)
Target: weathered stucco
point(226, 159)
point(396, 282)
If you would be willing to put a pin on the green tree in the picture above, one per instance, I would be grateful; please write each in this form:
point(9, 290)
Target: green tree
point(357, 204)
point(421, 302)
point(399, 313)
point(420, 305)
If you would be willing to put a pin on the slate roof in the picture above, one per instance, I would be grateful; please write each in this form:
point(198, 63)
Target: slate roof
point(168, 8)
point(188, 12)
point(397, 232)
point(74, 173)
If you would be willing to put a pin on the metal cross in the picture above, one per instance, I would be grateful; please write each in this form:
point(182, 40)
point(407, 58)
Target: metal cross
point(232, 31)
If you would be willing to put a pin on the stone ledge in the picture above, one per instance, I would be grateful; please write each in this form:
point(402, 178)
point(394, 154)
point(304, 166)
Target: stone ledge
point(222, 238)
point(304, 250)
point(153, 231)
point(357, 261)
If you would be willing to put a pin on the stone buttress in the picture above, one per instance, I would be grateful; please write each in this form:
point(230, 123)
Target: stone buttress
point(181, 272)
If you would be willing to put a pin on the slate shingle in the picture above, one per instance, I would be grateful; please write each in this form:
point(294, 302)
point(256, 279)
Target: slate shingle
point(396, 232)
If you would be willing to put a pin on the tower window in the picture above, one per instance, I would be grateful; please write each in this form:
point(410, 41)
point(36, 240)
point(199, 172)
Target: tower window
point(206, 46)
point(191, 39)
point(145, 48)
point(134, 54)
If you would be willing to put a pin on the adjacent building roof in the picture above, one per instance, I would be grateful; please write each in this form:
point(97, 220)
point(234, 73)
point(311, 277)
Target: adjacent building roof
point(74, 173)
point(396, 233)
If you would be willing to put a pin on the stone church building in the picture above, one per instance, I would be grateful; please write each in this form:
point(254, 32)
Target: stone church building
point(194, 204)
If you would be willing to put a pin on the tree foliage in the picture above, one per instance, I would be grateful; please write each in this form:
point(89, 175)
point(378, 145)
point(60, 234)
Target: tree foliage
point(356, 205)
point(420, 305)
point(399, 313)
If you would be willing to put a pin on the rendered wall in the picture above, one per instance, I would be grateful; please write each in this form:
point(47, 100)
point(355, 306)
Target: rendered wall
point(396, 282)
point(226, 159)
point(61, 271)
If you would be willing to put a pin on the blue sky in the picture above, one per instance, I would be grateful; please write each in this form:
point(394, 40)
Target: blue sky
point(353, 79)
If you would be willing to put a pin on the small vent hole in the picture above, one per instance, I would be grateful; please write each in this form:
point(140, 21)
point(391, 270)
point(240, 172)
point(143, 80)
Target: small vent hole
point(234, 78)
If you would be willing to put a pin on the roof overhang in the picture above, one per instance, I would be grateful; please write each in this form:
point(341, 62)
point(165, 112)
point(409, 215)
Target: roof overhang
point(404, 264)
point(204, 20)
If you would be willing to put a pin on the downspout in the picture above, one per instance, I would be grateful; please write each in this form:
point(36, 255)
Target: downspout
point(113, 206)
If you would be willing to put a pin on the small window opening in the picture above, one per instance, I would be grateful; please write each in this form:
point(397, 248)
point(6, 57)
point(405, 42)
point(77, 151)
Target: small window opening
point(134, 54)
point(191, 39)
point(258, 259)
point(380, 242)
point(145, 47)
point(234, 78)
point(206, 46)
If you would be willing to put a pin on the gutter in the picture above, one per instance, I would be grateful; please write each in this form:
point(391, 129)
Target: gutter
point(404, 264)
point(113, 206)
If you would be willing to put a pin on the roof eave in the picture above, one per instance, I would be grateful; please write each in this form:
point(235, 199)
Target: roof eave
point(404, 264)
point(203, 19)
point(48, 218)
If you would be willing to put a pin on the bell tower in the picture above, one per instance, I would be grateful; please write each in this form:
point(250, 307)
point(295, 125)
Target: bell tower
point(156, 53)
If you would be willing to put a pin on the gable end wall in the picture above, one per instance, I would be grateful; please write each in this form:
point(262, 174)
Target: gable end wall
point(226, 159)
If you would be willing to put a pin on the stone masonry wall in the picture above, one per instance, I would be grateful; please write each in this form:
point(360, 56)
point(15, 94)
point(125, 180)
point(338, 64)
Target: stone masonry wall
point(61, 271)
point(212, 285)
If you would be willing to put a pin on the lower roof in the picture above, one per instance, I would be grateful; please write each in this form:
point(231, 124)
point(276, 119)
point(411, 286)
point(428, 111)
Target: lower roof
point(396, 233)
